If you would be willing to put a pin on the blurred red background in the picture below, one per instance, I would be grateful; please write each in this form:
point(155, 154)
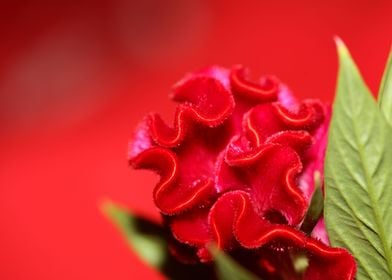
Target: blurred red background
point(77, 76)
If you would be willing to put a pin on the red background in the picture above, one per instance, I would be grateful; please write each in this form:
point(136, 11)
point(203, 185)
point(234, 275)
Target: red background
point(75, 78)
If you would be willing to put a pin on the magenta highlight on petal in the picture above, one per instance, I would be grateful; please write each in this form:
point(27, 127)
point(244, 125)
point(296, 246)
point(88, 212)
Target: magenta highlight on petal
point(236, 168)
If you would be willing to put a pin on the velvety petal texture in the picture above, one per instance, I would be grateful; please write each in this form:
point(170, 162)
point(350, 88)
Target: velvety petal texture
point(237, 168)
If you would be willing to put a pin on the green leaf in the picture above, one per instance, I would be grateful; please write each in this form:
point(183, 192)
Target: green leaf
point(228, 269)
point(385, 93)
point(146, 238)
point(316, 206)
point(149, 241)
point(358, 206)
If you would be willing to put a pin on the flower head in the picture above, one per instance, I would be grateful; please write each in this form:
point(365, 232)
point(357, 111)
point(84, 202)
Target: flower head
point(236, 168)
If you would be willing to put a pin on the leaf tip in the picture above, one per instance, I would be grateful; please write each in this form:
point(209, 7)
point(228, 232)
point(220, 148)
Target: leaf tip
point(338, 40)
point(341, 47)
point(107, 207)
point(113, 212)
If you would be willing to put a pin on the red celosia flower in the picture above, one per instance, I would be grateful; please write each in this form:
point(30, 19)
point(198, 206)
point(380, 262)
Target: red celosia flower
point(237, 168)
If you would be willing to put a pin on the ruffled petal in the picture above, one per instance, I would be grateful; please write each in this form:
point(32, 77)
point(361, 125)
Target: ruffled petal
point(192, 228)
point(173, 195)
point(271, 176)
point(252, 231)
point(203, 99)
point(266, 90)
point(265, 120)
